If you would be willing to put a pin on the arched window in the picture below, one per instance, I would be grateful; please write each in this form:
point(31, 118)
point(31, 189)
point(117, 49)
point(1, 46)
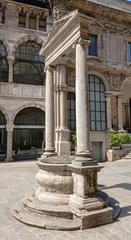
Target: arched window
point(3, 63)
point(97, 104)
point(29, 129)
point(30, 116)
point(29, 65)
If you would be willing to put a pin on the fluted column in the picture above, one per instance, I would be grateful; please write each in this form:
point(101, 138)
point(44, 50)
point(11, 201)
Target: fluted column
point(82, 103)
point(109, 113)
point(11, 60)
point(9, 128)
point(49, 116)
point(120, 113)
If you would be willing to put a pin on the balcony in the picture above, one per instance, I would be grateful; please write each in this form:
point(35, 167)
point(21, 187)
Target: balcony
point(21, 90)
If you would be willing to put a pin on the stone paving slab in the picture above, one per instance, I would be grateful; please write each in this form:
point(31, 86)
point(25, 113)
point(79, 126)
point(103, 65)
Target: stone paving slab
point(18, 178)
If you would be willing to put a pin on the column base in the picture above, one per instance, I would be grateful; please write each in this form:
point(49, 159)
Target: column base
point(10, 159)
point(122, 131)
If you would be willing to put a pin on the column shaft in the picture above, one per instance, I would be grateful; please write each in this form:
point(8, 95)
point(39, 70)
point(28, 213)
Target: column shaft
point(9, 143)
point(11, 60)
point(109, 113)
point(120, 114)
point(82, 111)
point(49, 116)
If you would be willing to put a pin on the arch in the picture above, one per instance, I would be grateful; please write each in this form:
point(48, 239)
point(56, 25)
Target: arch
point(5, 43)
point(34, 105)
point(103, 79)
point(25, 39)
point(5, 114)
point(30, 116)
point(3, 120)
point(127, 80)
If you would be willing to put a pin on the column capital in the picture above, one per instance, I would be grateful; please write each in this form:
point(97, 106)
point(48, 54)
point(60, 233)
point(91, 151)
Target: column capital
point(11, 59)
point(9, 127)
point(120, 95)
point(49, 68)
point(83, 41)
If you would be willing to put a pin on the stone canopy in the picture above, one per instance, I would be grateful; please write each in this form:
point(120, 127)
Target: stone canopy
point(64, 34)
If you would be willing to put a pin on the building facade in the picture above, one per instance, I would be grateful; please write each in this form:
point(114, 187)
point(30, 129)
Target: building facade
point(23, 30)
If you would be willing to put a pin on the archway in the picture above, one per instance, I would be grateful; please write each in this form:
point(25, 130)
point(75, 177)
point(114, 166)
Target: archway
point(28, 135)
point(3, 136)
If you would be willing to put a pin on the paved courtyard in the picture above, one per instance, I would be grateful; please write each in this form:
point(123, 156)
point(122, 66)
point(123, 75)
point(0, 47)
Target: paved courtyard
point(17, 178)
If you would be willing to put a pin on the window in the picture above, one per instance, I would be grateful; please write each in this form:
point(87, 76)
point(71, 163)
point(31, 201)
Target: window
point(30, 116)
point(97, 104)
point(42, 23)
point(22, 19)
point(29, 65)
point(32, 21)
point(71, 111)
point(2, 14)
point(129, 51)
point(3, 63)
point(93, 45)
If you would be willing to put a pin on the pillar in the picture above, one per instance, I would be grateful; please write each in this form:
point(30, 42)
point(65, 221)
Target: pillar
point(62, 131)
point(37, 21)
point(27, 19)
point(9, 128)
point(82, 103)
point(11, 60)
point(49, 115)
point(120, 114)
point(109, 113)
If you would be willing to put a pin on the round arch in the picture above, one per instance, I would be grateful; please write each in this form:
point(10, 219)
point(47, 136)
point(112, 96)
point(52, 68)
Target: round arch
point(103, 79)
point(31, 105)
point(25, 39)
point(5, 43)
point(5, 114)
point(29, 131)
point(126, 81)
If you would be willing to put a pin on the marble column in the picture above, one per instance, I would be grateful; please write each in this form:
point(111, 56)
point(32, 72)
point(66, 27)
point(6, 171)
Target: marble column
point(82, 103)
point(120, 113)
point(9, 128)
point(49, 115)
point(109, 113)
point(11, 60)
point(64, 133)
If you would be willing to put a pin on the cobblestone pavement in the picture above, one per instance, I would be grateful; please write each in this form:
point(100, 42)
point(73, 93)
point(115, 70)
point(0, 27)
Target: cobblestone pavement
point(17, 178)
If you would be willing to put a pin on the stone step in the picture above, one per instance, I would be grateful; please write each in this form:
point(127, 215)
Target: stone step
point(62, 211)
point(23, 214)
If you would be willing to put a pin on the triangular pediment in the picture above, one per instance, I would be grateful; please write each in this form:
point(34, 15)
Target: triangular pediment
point(65, 32)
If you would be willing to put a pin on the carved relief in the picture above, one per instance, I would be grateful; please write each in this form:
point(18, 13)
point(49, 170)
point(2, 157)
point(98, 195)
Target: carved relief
point(70, 77)
point(59, 11)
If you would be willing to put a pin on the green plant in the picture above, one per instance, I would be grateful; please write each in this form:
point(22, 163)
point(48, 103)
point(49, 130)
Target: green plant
point(73, 140)
point(116, 139)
